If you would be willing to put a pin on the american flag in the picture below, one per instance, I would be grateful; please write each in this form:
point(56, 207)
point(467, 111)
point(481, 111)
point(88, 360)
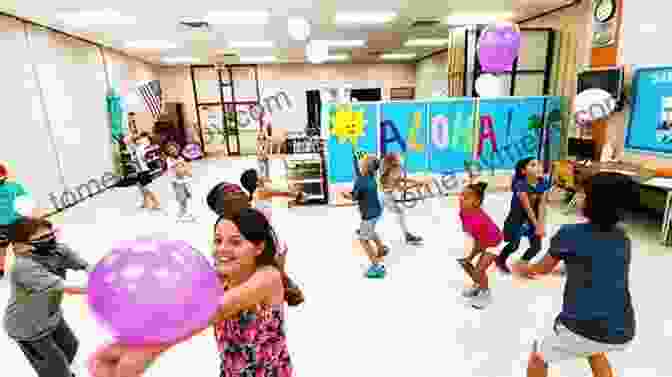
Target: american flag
point(151, 96)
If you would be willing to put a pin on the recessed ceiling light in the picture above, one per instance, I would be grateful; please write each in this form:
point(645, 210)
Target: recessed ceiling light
point(364, 17)
point(477, 18)
point(151, 45)
point(257, 59)
point(338, 57)
point(251, 44)
point(100, 17)
point(647, 28)
point(238, 18)
point(397, 56)
point(426, 42)
point(180, 60)
point(342, 43)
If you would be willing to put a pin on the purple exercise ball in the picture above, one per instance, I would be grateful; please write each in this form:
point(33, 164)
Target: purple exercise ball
point(498, 47)
point(150, 291)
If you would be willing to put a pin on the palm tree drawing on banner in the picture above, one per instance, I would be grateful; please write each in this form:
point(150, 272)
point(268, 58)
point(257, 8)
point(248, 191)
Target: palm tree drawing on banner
point(347, 124)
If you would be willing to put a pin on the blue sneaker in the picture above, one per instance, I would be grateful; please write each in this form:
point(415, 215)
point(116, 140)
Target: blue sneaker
point(376, 271)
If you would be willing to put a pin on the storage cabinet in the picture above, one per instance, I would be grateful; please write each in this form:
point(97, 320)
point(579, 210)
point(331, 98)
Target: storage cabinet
point(307, 173)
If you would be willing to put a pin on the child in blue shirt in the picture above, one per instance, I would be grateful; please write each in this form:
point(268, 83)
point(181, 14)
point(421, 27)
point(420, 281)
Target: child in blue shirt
point(527, 214)
point(597, 314)
point(9, 192)
point(365, 193)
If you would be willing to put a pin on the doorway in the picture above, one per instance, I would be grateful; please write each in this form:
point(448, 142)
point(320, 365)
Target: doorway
point(366, 95)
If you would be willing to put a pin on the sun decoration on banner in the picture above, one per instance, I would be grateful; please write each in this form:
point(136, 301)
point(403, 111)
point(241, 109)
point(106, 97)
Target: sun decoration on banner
point(347, 124)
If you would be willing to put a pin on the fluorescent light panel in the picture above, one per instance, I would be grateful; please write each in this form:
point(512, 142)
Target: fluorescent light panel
point(100, 17)
point(251, 44)
point(397, 56)
point(238, 18)
point(257, 59)
point(476, 18)
point(426, 42)
point(151, 45)
point(342, 43)
point(364, 17)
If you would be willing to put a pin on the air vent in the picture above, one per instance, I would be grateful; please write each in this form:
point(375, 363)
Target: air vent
point(425, 23)
point(196, 25)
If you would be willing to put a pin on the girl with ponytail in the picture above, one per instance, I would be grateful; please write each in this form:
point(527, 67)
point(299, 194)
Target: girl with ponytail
point(482, 238)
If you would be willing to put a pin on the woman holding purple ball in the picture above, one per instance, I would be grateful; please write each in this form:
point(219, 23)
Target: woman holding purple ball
point(249, 320)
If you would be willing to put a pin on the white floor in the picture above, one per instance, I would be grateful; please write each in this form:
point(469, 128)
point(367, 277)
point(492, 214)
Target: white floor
point(412, 323)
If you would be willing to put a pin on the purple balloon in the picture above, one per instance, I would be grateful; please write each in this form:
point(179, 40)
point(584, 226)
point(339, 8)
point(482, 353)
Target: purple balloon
point(153, 291)
point(192, 151)
point(498, 47)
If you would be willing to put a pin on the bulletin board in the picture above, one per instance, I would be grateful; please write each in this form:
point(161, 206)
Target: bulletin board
point(650, 127)
point(437, 137)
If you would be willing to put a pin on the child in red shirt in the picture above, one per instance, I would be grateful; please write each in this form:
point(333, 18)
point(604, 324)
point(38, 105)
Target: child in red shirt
point(483, 237)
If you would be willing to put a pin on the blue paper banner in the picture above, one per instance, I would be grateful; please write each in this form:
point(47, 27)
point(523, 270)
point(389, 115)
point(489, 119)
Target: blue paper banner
point(451, 138)
point(353, 129)
point(509, 130)
point(403, 129)
point(650, 127)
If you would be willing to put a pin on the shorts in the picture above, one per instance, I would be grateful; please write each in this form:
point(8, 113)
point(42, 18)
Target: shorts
point(391, 204)
point(566, 345)
point(470, 243)
point(367, 229)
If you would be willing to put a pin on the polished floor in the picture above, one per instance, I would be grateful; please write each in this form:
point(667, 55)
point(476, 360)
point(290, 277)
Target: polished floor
point(412, 323)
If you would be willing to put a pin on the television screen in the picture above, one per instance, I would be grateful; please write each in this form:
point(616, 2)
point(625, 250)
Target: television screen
point(610, 80)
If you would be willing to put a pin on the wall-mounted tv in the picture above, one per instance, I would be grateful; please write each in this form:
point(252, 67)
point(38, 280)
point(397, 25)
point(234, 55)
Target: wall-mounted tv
point(609, 80)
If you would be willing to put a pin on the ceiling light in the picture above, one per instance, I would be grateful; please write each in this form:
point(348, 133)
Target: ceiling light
point(101, 17)
point(343, 43)
point(251, 44)
point(180, 60)
point(426, 42)
point(151, 45)
point(364, 17)
point(477, 18)
point(298, 28)
point(257, 59)
point(647, 28)
point(397, 56)
point(238, 18)
point(338, 57)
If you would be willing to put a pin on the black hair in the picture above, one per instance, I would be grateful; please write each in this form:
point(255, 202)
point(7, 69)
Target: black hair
point(254, 226)
point(226, 198)
point(607, 196)
point(519, 170)
point(22, 230)
point(478, 189)
point(250, 180)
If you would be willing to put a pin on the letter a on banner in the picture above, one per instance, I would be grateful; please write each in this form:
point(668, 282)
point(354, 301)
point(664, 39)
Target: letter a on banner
point(487, 132)
point(388, 126)
point(440, 132)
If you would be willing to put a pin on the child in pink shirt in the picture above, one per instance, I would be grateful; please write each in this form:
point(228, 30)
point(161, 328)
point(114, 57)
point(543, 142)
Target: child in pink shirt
point(483, 237)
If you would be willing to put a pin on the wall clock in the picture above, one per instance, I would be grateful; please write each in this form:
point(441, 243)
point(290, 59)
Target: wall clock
point(604, 11)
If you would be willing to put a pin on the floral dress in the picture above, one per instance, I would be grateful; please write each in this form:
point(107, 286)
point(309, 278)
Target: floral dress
point(254, 344)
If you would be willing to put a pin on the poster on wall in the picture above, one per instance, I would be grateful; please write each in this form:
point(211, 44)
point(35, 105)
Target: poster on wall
point(451, 140)
point(509, 129)
point(650, 127)
point(403, 129)
point(353, 131)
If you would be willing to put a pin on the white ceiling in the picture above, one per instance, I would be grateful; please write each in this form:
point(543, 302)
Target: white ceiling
point(159, 21)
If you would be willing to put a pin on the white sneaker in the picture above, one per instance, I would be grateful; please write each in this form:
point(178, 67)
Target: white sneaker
point(482, 299)
point(470, 292)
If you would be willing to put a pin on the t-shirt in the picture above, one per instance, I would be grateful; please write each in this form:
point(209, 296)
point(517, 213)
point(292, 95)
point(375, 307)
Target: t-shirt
point(480, 226)
point(365, 193)
point(9, 191)
point(140, 158)
point(597, 303)
point(36, 292)
point(517, 214)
